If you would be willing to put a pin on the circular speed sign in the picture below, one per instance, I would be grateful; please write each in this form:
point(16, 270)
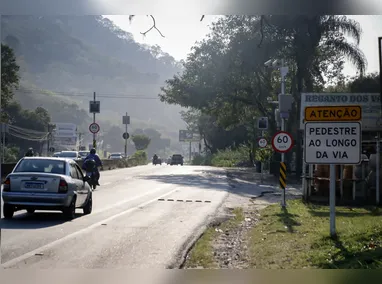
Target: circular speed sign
point(262, 142)
point(94, 128)
point(282, 142)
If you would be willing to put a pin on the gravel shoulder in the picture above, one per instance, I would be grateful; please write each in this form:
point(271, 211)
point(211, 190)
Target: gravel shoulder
point(225, 242)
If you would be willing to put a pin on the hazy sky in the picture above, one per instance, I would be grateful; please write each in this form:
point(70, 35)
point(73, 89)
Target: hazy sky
point(182, 31)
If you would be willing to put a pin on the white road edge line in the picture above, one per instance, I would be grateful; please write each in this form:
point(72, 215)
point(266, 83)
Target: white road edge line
point(84, 230)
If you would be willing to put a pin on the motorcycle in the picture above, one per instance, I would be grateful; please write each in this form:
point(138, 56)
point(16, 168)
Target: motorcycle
point(91, 179)
point(157, 161)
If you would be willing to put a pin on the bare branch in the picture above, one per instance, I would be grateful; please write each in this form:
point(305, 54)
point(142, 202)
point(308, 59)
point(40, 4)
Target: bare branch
point(152, 27)
point(201, 19)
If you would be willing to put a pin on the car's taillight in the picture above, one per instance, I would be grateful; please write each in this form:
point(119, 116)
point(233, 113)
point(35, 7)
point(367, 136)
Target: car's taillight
point(63, 186)
point(7, 185)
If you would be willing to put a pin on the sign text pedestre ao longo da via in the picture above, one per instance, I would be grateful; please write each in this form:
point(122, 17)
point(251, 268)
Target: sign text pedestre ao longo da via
point(333, 137)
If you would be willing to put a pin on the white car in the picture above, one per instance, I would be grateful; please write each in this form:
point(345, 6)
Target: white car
point(44, 183)
point(115, 156)
point(71, 154)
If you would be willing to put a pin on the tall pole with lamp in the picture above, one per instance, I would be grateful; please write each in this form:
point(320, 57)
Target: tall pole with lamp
point(285, 103)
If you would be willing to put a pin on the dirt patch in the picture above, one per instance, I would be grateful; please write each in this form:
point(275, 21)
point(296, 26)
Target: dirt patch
point(225, 243)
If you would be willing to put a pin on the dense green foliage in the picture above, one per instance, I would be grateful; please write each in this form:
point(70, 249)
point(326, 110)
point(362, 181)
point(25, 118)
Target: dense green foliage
point(31, 124)
point(225, 84)
point(141, 141)
point(140, 157)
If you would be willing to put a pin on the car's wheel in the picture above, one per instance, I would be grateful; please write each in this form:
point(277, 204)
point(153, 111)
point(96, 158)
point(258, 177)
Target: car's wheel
point(89, 205)
point(8, 211)
point(31, 211)
point(70, 211)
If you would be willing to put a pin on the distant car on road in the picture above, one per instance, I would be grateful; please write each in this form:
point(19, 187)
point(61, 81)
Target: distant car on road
point(71, 154)
point(176, 159)
point(45, 183)
point(115, 156)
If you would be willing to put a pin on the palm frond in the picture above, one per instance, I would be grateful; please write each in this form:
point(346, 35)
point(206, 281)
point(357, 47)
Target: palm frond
point(342, 24)
point(350, 51)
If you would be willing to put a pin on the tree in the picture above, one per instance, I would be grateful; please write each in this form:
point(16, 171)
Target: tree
point(141, 142)
point(225, 80)
point(9, 75)
point(366, 84)
point(27, 128)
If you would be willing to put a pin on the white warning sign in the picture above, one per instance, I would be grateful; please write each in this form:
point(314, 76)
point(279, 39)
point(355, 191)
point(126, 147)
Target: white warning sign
point(333, 143)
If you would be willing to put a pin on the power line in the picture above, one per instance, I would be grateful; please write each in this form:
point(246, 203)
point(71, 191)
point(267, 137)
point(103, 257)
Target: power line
point(27, 138)
point(25, 130)
point(79, 94)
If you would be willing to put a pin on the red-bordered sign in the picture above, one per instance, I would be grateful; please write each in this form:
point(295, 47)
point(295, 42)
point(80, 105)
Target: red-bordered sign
point(262, 142)
point(282, 142)
point(94, 128)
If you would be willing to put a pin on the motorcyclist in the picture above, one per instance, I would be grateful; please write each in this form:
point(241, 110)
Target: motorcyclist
point(29, 153)
point(155, 157)
point(88, 162)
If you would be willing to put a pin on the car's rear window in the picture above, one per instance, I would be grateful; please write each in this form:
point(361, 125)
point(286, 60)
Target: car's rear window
point(41, 166)
point(177, 156)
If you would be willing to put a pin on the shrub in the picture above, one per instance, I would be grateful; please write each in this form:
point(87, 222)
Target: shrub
point(202, 160)
point(230, 157)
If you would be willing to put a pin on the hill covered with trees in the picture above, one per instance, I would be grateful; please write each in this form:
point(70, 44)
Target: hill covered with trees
point(64, 59)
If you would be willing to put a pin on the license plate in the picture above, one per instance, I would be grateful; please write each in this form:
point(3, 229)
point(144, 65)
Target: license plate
point(34, 185)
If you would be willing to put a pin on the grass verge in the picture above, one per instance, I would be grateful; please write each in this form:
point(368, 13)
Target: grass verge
point(298, 237)
point(202, 254)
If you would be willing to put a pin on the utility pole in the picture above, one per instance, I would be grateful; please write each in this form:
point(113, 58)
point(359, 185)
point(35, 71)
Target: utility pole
point(285, 103)
point(126, 139)
point(190, 151)
point(283, 73)
point(49, 138)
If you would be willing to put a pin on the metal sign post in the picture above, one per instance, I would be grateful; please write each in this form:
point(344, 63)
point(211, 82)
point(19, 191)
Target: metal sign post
point(188, 136)
point(282, 142)
point(126, 122)
point(262, 142)
point(333, 137)
point(94, 107)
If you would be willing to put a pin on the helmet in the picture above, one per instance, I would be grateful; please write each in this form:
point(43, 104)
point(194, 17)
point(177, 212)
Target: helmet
point(30, 149)
point(93, 151)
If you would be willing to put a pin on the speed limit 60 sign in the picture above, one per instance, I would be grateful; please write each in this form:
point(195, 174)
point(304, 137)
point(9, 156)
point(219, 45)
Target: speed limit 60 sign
point(282, 142)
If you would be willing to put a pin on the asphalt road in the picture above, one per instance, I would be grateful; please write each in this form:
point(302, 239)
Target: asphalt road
point(130, 227)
